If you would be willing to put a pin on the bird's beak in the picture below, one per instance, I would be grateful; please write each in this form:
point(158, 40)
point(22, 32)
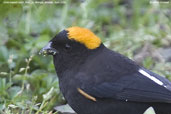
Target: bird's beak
point(48, 50)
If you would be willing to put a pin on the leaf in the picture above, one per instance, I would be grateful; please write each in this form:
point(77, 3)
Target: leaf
point(13, 91)
point(48, 95)
point(150, 110)
point(64, 109)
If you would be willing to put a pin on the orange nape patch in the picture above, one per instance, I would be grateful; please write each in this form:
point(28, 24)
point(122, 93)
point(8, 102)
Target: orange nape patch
point(86, 95)
point(84, 36)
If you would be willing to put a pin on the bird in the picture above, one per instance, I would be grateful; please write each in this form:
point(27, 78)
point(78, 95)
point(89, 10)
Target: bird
point(96, 80)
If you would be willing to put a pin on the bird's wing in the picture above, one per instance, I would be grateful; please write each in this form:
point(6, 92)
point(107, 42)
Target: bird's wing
point(138, 87)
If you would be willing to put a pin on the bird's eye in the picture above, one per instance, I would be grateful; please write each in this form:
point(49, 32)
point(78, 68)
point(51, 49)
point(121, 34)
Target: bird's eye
point(67, 46)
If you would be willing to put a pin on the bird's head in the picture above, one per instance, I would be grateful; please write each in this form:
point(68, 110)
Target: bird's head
point(70, 40)
point(71, 44)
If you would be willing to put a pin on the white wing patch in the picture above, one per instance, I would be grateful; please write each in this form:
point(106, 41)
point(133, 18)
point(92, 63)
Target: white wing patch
point(150, 77)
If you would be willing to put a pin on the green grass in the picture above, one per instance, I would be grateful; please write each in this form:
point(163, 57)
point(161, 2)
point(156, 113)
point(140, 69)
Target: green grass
point(28, 83)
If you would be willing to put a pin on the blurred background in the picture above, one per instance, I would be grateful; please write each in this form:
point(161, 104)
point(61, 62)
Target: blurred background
point(141, 30)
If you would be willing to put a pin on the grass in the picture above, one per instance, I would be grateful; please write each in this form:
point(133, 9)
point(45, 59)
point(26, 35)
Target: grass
point(28, 83)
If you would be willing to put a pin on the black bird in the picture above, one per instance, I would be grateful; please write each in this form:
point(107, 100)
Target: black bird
point(95, 80)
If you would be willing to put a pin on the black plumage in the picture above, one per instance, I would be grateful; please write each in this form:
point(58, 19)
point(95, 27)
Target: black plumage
point(116, 82)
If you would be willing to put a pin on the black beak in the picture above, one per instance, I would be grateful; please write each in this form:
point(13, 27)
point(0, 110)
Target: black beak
point(48, 50)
